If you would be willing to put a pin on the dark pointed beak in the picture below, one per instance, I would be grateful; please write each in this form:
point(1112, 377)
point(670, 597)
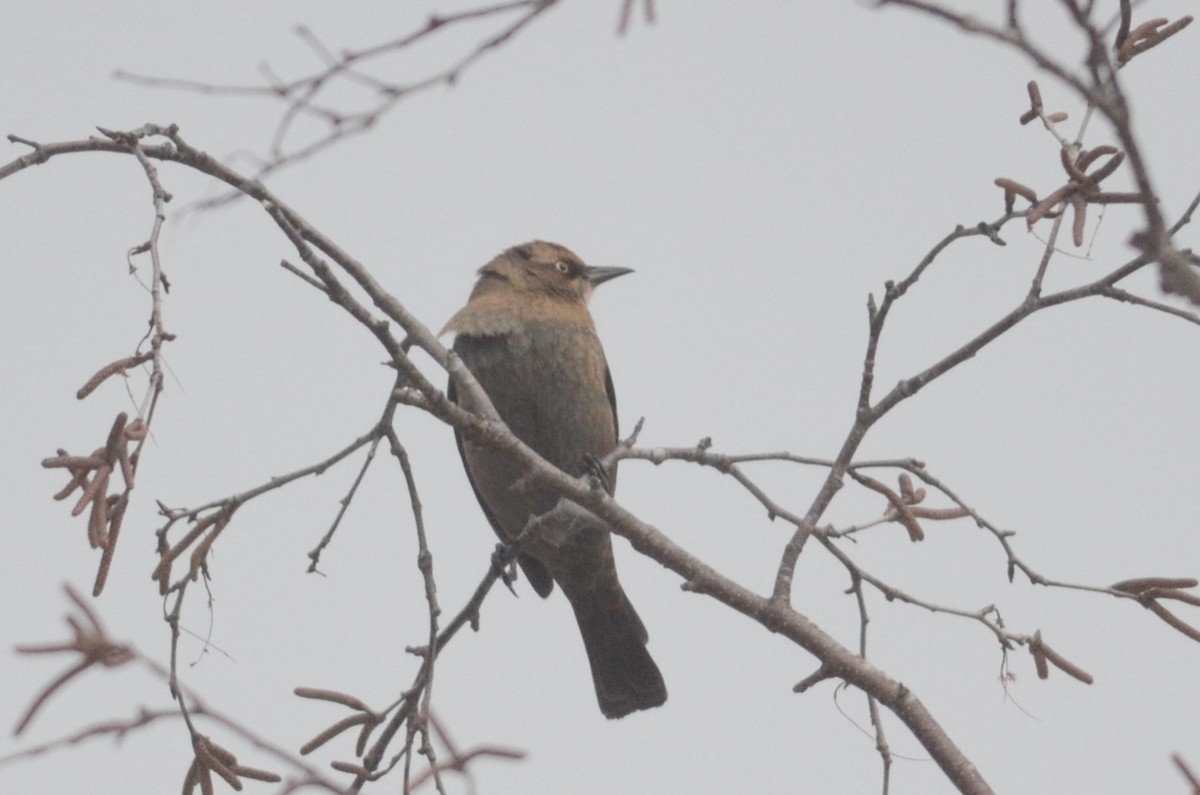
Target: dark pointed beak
point(598, 276)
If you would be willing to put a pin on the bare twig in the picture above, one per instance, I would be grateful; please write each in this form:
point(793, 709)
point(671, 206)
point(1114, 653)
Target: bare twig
point(315, 95)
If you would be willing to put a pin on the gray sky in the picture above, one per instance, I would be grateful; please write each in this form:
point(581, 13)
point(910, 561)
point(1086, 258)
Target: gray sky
point(763, 167)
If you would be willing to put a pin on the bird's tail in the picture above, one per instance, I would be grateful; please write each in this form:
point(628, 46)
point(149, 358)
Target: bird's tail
point(625, 676)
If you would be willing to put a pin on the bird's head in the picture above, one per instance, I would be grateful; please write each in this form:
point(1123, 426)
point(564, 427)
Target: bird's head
point(543, 270)
point(533, 282)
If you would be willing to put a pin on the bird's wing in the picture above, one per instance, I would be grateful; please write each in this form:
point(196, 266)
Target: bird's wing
point(535, 572)
point(612, 402)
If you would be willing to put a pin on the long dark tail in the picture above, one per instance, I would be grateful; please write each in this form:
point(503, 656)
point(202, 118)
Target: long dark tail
point(624, 673)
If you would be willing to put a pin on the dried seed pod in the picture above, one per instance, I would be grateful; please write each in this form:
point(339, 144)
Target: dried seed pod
point(1107, 169)
point(102, 375)
point(1066, 666)
point(1173, 620)
point(1088, 156)
point(1139, 584)
point(1023, 191)
point(1068, 164)
point(1035, 95)
point(1047, 205)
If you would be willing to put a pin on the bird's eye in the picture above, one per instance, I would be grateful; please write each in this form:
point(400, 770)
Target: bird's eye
point(562, 266)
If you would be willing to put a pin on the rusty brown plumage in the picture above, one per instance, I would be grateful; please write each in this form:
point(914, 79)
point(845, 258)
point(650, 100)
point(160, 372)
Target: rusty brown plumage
point(528, 338)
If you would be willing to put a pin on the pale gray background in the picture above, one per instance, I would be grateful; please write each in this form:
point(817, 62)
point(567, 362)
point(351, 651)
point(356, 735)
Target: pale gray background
point(763, 166)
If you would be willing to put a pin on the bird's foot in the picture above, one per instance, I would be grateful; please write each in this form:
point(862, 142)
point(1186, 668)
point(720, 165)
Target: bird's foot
point(595, 467)
point(504, 564)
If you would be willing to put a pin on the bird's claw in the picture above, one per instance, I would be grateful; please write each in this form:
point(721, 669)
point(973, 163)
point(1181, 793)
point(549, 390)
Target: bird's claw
point(595, 467)
point(505, 567)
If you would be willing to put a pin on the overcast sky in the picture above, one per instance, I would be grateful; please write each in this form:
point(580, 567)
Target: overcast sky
point(764, 167)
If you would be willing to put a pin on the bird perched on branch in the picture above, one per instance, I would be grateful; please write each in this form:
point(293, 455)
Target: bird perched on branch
point(528, 338)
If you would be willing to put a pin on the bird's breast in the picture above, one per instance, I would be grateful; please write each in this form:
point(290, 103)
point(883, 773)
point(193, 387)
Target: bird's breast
point(547, 382)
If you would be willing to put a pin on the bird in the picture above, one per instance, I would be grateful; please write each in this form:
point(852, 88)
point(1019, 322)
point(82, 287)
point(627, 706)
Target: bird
point(528, 338)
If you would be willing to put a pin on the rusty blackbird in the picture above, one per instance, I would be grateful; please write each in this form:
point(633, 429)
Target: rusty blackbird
point(528, 338)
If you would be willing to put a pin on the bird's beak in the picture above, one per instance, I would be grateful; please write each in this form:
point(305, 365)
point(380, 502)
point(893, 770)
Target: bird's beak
point(597, 275)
